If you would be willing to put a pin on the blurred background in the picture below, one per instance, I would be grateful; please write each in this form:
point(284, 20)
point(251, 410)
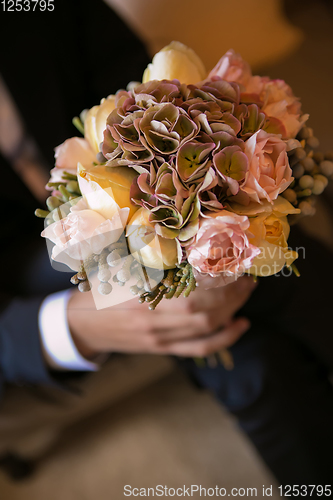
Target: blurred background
point(159, 429)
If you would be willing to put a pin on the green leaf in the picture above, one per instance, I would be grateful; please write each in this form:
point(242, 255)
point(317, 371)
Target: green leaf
point(78, 124)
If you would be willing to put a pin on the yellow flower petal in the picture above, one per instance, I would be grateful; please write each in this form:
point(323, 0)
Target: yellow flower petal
point(270, 233)
point(270, 261)
point(117, 180)
point(95, 122)
point(175, 61)
point(146, 246)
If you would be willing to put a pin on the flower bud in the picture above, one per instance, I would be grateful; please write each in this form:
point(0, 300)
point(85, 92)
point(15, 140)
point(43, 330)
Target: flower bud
point(95, 122)
point(53, 202)
point(175, 61)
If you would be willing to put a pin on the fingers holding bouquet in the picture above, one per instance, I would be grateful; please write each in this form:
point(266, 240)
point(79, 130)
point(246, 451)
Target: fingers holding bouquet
point(196, 326)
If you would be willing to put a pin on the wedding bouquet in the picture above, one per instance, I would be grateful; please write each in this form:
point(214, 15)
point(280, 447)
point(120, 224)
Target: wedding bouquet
point(181, 175)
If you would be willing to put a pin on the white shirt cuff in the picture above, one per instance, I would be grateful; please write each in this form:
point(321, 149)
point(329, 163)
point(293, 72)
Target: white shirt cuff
point(58, 346)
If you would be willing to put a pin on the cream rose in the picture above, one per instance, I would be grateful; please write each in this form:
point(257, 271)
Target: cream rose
point(175, 61)
point(82, 233)
point(147, 247)
point(95, 122)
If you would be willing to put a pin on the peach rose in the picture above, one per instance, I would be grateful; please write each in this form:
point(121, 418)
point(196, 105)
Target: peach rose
point(278, 102)
point(276, 97)
point(284, 109)
point(221, 246)
point(269, 172)
point(254, 88)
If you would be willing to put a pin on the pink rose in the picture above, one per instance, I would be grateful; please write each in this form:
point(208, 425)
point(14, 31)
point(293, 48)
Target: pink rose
point(233, 68)
point(71, 152)
point(221, 246)
point(254, 89)
point(269, 172)
point(275, 97)
point(280, 104)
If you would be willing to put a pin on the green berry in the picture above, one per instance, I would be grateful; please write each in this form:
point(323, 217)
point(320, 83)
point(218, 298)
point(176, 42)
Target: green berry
point(298, 170)
point(318, 187)
point(313, 142)
point(326, 168)
point(306, 208)
point(73, 187)
point(105, 288)
point(308, 164)
point(306, 182)
point(290, 195)
point(321, 178)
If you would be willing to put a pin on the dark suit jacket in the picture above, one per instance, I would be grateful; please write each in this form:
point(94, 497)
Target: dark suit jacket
point(55, 64)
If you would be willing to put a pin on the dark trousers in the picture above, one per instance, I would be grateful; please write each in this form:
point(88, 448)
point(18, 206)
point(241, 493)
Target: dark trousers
point(279, 389)
point(283, 401)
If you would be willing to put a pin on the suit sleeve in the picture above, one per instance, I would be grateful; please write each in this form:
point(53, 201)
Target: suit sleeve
point(75, 71)
point(21, 357)
point(26, 279)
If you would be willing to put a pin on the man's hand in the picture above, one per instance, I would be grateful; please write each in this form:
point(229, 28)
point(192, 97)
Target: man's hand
point(195, 326)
